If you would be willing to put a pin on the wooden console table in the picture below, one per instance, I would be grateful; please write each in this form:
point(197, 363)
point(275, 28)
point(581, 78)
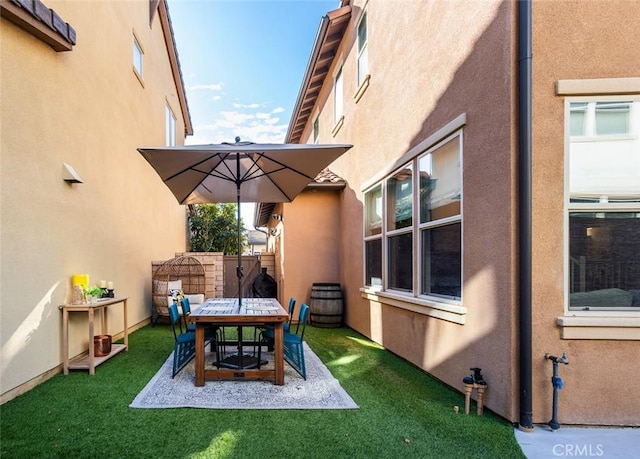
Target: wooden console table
point(90, 362)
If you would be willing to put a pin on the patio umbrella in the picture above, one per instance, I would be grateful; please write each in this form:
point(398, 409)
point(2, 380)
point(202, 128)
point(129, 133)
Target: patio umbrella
point(240, 172)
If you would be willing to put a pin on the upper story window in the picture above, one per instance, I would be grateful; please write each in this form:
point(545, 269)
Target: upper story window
point(170, 127)
point(338, 99)
point(603, 203)
point(316, 129)
point(421, 200)
point(363, 55)
point(138, 55)
point(600, 118)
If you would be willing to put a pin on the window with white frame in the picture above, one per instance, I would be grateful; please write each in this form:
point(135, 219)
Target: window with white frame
point(137, 58)
point(363, 54)
point(440, 192)
point(422, 200)
point(338, 104)
point(170, 127)
point(373, 236)
point(603, 203)
point(399, 234)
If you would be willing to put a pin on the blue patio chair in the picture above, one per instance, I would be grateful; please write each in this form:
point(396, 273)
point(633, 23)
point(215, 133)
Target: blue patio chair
point(184, 349)
point(212, 334)
point(186, 311)
point(266, 335)
point(294, 343)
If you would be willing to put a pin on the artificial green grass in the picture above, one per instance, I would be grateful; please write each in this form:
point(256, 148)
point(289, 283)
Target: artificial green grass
point(403, 413)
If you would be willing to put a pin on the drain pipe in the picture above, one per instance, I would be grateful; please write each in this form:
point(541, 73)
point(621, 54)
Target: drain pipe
point(525, 212)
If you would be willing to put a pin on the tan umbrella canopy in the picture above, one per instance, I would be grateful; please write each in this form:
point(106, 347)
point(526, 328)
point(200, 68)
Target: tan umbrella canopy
point(240, 172)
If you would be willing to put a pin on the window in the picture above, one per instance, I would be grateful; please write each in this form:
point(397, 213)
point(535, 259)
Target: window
point(421, 199)
point(603, 204)
point(373, 236)
point(337, 97)
point(399, 229)
point(170, 127)
point(316, 129)
point(600, 118)
point(137, 58)
point(440, 227)
point(363, 56)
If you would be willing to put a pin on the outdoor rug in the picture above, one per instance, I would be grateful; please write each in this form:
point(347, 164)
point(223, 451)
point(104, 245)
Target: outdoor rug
point(320, 391)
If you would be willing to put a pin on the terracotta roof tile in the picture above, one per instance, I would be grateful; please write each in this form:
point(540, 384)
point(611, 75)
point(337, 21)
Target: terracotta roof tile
point(326, 176)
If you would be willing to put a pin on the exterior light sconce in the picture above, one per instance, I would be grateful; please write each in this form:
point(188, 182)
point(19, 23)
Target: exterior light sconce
point(69, 174)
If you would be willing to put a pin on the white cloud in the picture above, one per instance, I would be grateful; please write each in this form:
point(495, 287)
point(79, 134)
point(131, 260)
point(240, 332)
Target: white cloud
point(210, 87)
point(246, 122)
point(237, 105)
point(237, 117)
point(216, 98)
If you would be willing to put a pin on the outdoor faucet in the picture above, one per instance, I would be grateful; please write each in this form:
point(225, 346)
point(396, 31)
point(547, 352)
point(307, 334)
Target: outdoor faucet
point(557, 384)
point(564, 360)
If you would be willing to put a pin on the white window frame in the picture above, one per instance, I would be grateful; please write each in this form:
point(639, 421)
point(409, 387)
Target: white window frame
point(362, 51)
point(138, 58)
point(450, 309)
point(170, 127)
point(338, 96)
point(617, 324)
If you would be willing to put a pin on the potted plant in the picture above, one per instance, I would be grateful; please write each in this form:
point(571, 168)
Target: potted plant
point(93, 293)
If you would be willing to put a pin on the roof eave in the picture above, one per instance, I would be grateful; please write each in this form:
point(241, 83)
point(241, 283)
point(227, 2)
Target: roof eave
point(328, 39)
point(174, 61)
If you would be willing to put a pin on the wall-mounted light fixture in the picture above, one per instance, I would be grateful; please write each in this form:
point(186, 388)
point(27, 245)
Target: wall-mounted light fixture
point(69, 174)
point(277, 217)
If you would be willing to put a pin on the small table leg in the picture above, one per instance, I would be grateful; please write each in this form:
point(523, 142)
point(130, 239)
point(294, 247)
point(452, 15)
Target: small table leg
point(92, 363)
point(279, 354)
point(199, 354)
point(65, 341)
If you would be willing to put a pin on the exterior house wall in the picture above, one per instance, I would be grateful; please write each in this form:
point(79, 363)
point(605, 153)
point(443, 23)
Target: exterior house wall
point(315, 258)
point(424, 61)
point(574, 41)
point(433, 62)
point(86, 108)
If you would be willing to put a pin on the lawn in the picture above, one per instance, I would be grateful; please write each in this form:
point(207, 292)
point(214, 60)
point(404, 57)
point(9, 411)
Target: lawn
point(403, 413)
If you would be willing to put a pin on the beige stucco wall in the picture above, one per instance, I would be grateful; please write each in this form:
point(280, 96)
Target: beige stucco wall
point(311, 245)
point(431, 62)
point(574, 40)
point(86, 108)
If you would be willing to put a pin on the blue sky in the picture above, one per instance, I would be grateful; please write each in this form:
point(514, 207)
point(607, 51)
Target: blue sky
point(243, 62)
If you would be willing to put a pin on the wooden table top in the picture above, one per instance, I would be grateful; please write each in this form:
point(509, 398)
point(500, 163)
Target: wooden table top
point(229, 310)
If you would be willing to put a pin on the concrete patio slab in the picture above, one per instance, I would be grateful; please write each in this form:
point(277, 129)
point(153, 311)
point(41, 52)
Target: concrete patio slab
point(603, 442)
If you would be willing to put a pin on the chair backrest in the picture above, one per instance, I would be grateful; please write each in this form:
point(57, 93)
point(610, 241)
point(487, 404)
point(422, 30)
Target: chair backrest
point(292, 307)
point(175, 319)
point(186, 306)
point(303, 315)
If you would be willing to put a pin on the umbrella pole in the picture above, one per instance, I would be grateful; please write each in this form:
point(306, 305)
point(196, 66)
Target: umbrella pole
point(239, 272)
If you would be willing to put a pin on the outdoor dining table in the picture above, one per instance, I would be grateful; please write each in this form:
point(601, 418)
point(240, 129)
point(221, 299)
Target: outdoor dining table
point(227, 312)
